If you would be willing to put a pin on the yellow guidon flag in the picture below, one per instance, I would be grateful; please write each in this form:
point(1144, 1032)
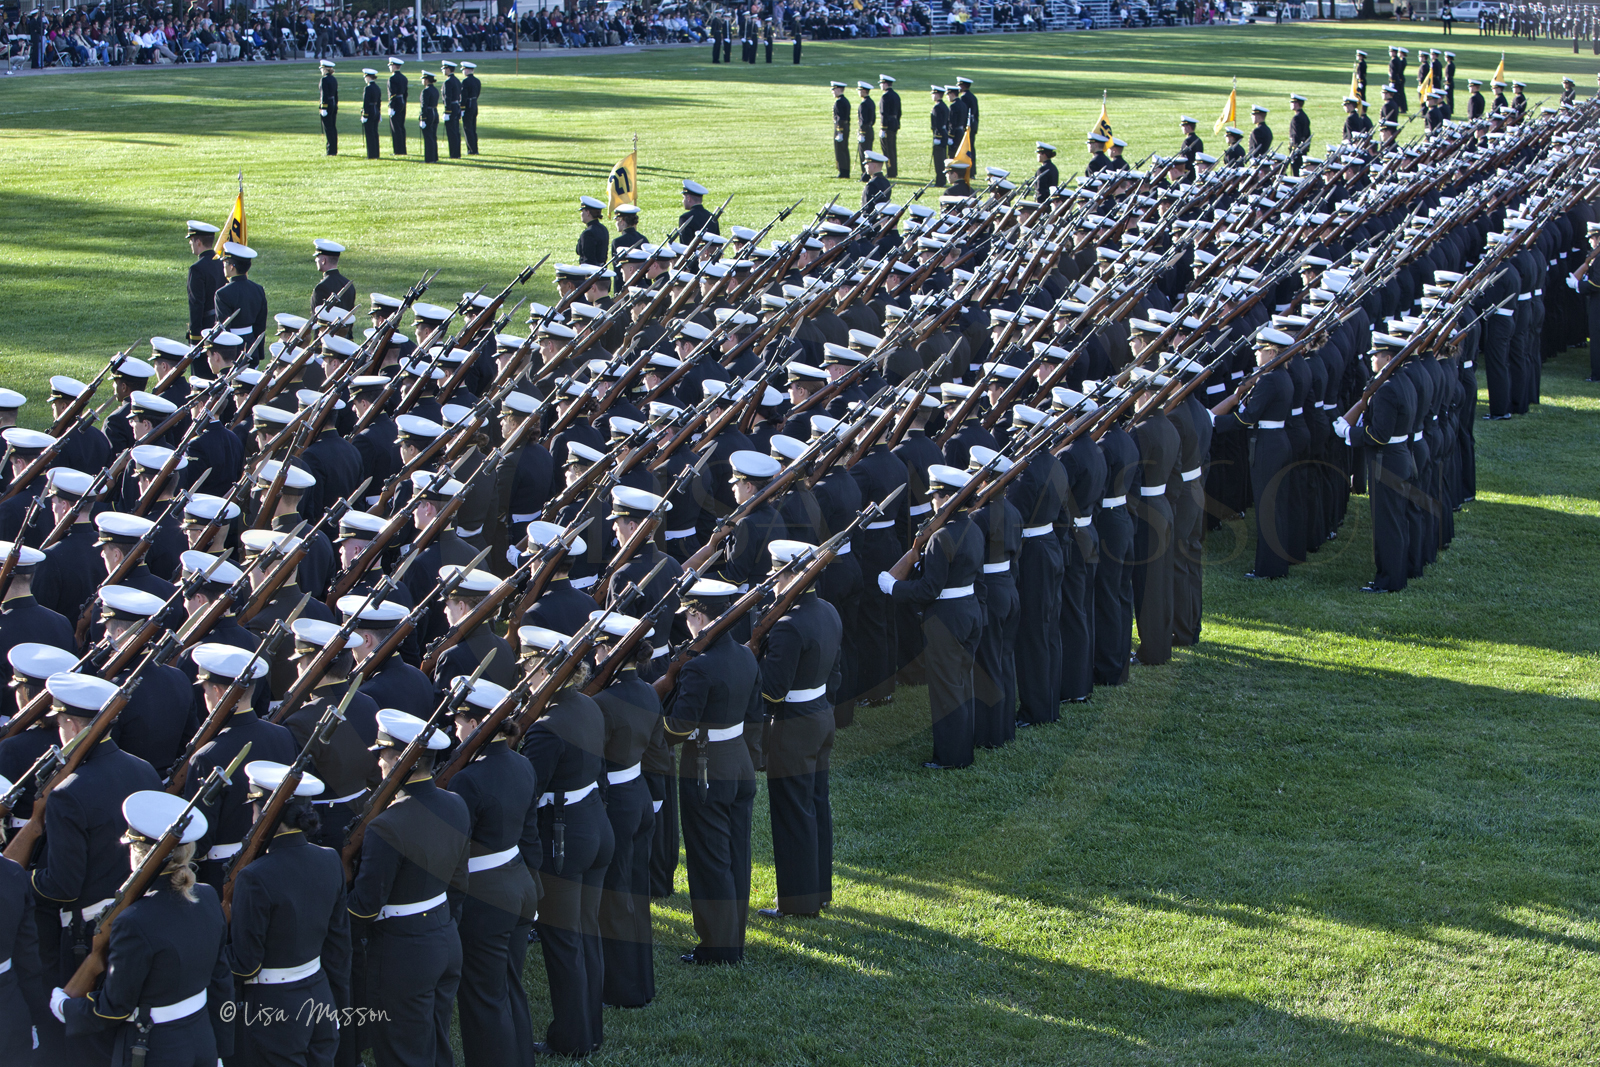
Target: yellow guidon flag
point(233, 229)
point(622, 187)
point(1102, 125)
point(1230, 110)
point(1424, 87)
point(1500, 71)
point(964, 153)
point(1355, 86)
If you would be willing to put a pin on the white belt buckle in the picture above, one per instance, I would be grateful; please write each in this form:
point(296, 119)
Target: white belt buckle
point(284, 975)
point(801, 696)
point(399, 911)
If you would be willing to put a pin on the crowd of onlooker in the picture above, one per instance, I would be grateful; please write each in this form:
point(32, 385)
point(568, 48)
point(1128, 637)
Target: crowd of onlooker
point(127, 34)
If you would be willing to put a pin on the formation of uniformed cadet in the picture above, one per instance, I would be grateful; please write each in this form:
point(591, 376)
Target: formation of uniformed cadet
point(371, 105)
point(455, 104)
point(428, 118)
point(471, 90)
point(466, 630)
point(954, 116)
point(399, 88)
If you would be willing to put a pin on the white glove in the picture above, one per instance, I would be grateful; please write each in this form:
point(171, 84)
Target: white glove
point(886, 583)
point(422, 125)
point(1342, 428)
point(323, 112)
point(363, 120)
point(1572, 282)
point(58, 1001)
point(391, 112)
point(838, 137)
point(1210, 415)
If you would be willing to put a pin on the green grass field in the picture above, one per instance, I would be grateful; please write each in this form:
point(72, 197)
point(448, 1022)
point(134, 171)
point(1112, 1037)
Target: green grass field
point(1342, 830)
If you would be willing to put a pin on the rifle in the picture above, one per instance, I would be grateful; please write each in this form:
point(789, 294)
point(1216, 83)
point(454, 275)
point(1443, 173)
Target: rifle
point(470, 330)
point(138, 881)
point(486, 607)
point(402, 768)
point(378, 343)
point(647, 527)
point(548, 557)
point(70, 416)
point(352, 574)
point(441, 591)
point(20, 850)
point(815, 563)
point(272, 810)
point(15, 552)
point(622, 651)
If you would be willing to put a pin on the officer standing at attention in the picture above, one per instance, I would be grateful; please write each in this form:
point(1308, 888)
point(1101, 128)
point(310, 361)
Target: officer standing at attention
point(399, 91)
point(628, 235)
point(471, 89)
point(1299, 132)
point(428, 119)
point(241, 294)
point(1260, 133)
point(205, 278)
point(595, 240)
point(452, 107)
point(939, 121)
point(952, 620)
point(695, 216)
point(328, 106)
point(289, 931)
point(1047, 177)
point(717, 28)
point(1192, 144)
point(1098, 160)
point(867, 118)
point(334, 290)
point(799, 673)
point(371, 98)
point(970, 102)
point(167, 961)
point(958, 119)
point(841, 129)
point(715, 694)
point(889, 112)
point(877, 188)
point(412, 853)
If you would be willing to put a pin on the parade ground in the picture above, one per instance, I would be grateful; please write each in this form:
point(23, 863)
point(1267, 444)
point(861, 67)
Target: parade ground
point(1340, 830)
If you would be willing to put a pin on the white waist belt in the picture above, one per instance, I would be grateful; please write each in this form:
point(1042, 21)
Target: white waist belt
point(182, 1010)
point(1538, 292)
point(1153, 490)
point(1399, 439)
point(491, 861)
point(1270, 424)
point(1297, 411)
point(341, 800)
point(469, 533)
point(996, 568)
point(627, 774)
point(844, 549)
point(1190, 476)
point(919, 509)
point(957, 593)
point(4, 967)
point(878, 525)
point(519, 520)
point(17, 822)
point(224, 852)
point(1507, 312)
point(284, 975)
point(400, 911)
point(800, 696)
point(1083, 520)
point(1467, 365)
point(673, 535)
point(1113, 501)
point(725, 733)
point(1215, 389)
point(584, 583)
point(89, 914)
point(1524, 296)
point(1236, 375)
point(655, 805)
point(572, 796)
point(1417, 436)
point(1037, 531)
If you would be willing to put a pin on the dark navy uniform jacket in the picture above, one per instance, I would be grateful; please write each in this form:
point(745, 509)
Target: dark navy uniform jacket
point(289, 908)
point(414, 850)
point(802, 652)
point(84, 860)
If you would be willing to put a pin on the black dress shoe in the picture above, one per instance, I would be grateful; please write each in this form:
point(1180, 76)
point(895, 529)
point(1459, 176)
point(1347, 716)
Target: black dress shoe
point(1021, 725)
point(774, 913)
point(1260, 577)
point(688, 957)
point(1370, 588)
point(540, 1048)
point(932, 766)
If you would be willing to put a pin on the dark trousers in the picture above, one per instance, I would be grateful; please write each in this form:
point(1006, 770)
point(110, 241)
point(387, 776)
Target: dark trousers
point(938, 162)
point(877, 645)
point(798, 752)
point(1269, 464)
point(1497, 335)
point(952, 628)
point(397, 131)
point(716, 841)
point(797, 51)
point(1152, 579)
point(452, 132)
point(908, 639)
point(664, 839)
point(716, 49)
point(863, 146)
point(430, 143)
point(841, 586)
point(886, 145)
point(1039, 571)
point(1079, 552)
point(625, 942)
point(1188, 548)
point(488, 1005)
point(310, 1042)
point(1387, 487)
point(841, 152)
point(58, 962)
point(369, 127)
point(994, 678)
point(413, 971)
point(1594, 336)
point(330, 131)
point(16, 1031)
point(569, 924)
point(1113, 596)
point(469, 126)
